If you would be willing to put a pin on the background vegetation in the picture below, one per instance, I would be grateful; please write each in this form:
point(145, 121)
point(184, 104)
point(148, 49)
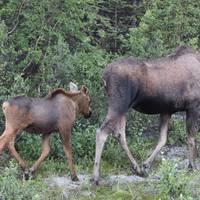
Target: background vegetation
point(48, 43)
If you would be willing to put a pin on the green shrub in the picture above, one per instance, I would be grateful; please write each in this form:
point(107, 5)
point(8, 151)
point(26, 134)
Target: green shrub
point(13, 188)
point(83, 144)
point(173, 181)
point(177, 135)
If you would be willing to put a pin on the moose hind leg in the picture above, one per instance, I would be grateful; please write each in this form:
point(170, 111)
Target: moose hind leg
point(121, 137)
point(191, 126)
point(164, 123)
point(6, 137)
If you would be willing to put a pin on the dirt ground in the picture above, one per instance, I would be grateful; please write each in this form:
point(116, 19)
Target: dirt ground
point(174, 153)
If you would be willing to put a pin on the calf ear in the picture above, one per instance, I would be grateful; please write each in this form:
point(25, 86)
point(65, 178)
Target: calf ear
point(73, 87)
point(85, 90)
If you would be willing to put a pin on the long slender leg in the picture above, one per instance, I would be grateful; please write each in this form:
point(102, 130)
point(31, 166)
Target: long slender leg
point(164, 123)
point(7, 135)
point(107, 127)
point(191, 126)
point(11, 147)
point(121, 136)
point(66, 141)
point(44, 154)
point(101, 136)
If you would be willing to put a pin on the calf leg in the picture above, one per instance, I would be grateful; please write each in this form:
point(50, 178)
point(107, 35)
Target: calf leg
point(14, 153)
point(121, 136)
point(191, 126)
point(6, 137)
point(44, 154)
point(164, 123)
point(66, 141)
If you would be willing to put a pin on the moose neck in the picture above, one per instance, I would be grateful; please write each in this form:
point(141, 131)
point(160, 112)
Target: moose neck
point(78, 101)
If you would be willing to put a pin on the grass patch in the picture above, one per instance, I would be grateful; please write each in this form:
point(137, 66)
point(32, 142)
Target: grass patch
point(172, 184)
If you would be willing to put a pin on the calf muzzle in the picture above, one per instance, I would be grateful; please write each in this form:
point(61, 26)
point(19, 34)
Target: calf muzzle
point(88, 115)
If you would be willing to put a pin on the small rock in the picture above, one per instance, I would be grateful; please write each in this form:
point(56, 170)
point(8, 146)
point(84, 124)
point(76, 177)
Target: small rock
point(87, 194)
point(124, 179)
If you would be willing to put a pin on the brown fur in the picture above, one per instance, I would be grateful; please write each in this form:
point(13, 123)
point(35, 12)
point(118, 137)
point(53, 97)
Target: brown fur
point(157, 86)
point(181, 50)
point(61, 91)
point(56, 112)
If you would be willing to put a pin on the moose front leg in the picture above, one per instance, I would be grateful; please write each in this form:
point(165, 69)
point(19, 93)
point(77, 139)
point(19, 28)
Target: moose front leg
point(45, 152)
point(66, 141)
point(164, 123)
point(107, 127)
point(101, 136)
point(120, 134)
point(114, 124)
point(192, 126)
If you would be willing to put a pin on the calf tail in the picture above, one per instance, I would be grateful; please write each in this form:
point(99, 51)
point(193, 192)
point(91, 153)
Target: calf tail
point(5, 105)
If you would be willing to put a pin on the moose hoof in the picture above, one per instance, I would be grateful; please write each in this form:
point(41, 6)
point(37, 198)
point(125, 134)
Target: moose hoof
point(192, 167)
point(136, 170)
point(145, 169)
point(94, 182)
point(74, 178)
point(27, 175)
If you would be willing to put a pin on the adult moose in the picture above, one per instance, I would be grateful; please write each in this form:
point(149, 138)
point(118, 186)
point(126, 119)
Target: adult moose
point(161, 86)
point(56, 112)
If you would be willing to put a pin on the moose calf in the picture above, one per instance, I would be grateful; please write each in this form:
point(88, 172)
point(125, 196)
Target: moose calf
point(55, 112)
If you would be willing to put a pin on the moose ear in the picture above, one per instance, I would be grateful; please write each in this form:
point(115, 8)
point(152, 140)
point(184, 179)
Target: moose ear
point(85, 90)
point(73, 87)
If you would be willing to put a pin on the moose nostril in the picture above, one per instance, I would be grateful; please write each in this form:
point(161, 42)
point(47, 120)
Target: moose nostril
point(88, 115)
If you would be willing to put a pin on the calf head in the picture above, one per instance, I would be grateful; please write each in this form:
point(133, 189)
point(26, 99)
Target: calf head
point(83, 100)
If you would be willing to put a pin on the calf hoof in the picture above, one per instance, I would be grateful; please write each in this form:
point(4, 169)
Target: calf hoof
point(27, 175)
point(74, 178)
point(145, 169)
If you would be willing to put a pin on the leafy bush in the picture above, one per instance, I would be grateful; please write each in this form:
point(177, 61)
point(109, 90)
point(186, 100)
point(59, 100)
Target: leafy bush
point(29, 145)
point(178, 133)
point(164, 25)
point(47, 44)
point(173, 181)
point(12, 188)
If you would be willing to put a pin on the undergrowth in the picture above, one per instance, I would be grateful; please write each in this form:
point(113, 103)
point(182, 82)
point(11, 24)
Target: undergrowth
point(172, 182)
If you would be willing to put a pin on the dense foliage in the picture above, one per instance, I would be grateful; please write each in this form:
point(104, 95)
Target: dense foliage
point(48, 43)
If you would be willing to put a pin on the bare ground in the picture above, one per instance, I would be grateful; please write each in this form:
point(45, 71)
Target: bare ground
point(174, 153)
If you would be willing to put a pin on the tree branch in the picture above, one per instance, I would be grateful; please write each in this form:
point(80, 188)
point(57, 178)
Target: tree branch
point(17, 19)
